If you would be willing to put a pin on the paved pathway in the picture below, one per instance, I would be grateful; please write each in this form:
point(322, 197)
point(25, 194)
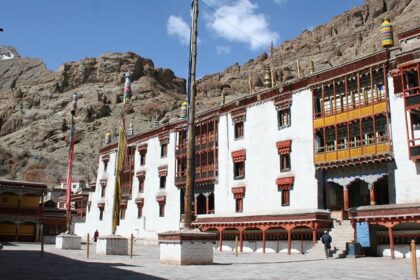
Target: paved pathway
point(23, 261)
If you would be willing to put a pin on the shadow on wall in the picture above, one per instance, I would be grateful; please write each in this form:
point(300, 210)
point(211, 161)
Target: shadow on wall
point(418, 167)
point(58, 267)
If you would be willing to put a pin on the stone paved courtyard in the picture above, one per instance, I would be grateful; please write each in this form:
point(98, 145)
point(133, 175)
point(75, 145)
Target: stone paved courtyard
point(23, 261)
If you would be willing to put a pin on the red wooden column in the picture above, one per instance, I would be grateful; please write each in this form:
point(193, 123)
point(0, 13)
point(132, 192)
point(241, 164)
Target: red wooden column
point(207, 203)
point(391, 240)
point(220, 238)
point(264, 231)
point(289, 229)
point(346, 198)
point(241, 240)
point(372, 194)
point(314, 237)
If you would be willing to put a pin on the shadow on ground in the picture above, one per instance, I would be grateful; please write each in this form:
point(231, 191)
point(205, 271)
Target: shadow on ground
point(30, 265)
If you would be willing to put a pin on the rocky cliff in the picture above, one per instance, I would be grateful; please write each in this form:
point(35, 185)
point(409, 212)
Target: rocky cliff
point(35, 102)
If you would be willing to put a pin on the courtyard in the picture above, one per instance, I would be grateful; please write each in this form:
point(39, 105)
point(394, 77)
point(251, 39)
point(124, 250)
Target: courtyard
point(24, 261)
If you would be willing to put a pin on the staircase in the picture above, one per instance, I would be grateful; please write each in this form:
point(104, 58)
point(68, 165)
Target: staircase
point(341, 233)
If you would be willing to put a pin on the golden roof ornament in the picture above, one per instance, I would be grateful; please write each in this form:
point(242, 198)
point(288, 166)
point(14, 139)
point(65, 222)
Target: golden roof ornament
point(267, 76)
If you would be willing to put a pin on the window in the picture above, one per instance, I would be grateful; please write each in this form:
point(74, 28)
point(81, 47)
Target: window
point(284, 162)
point(285, 193)
point(101, 213)
point(162, 184)
point(239, 205)
point(122, 212)
point(284, 148)
point(284, 185)
point(239, 158)
point(103, 190)
point(239, 170)
point(283, 118)
point(239, 130)
point(163, 150)
point(139, 212)
point(161, 210)
point(141, 185)
point(238, 195)
point(142, 158)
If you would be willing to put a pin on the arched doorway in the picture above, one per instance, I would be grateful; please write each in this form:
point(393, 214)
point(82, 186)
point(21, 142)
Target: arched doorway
point(201, 204)
point(382, 191)
point(211, 203)
point(358, 193)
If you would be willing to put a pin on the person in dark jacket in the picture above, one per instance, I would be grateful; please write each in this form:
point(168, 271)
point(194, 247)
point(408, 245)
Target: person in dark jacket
point(95, 236)
point(326, 239)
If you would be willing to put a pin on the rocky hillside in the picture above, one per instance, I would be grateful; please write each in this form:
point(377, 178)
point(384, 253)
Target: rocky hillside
point(35, 102)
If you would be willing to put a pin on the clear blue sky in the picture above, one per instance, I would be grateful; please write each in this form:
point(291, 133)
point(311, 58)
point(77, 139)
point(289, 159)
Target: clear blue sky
point(58, 31)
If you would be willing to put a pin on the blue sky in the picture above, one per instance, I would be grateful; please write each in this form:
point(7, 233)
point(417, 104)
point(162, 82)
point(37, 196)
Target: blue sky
point(230, 31)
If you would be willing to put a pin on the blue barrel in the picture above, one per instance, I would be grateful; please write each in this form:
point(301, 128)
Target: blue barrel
point(351, 249)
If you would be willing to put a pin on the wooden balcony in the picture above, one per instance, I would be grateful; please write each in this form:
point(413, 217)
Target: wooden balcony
point(353, 152)
point(354, 114)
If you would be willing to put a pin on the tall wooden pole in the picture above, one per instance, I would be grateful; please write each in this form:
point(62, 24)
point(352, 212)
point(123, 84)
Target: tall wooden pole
point(191, 112)
point(70, 164)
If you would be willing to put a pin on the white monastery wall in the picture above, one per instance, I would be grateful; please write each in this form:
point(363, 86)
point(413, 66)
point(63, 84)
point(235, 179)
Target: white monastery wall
point(262, 164)
point(407, 172)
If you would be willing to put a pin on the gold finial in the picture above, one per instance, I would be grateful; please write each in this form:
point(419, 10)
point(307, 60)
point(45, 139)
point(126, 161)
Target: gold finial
point(312, 67)
point(267, 76)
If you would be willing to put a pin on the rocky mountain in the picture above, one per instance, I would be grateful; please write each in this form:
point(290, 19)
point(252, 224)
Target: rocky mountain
point(35, 102)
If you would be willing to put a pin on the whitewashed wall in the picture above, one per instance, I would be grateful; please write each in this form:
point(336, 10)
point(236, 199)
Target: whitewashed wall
point(92, 223)
point(150, 224)
point(297, 246)
point(407, 172)
point(262, 165)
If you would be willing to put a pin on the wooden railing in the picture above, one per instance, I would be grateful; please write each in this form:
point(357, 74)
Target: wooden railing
point(354, 114)
point(352, 150)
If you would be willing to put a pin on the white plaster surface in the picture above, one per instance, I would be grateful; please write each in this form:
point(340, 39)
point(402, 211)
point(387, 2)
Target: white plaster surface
point(186, 252)
point(112, 245)
point(70, 242)
point(400, 251)
point(407, 172)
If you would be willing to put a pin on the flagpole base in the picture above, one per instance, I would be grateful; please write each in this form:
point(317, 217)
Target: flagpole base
point(67, 241)
point(112, 245)
point(186, 247)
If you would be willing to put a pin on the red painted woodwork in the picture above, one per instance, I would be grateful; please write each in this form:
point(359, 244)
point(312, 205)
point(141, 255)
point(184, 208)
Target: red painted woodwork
point(142, 148)
point(285, 183)
point(284, 147)
point(372, 195)
point(206, 153)
point(346, 199)
point(238, 192)
point(141, 174)
point(163, 170)
point(391, 242)
point(239, 156)
point(164, 138)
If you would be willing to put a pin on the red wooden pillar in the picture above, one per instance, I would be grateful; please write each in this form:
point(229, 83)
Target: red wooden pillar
point(372, 194)
point(289, 241)
point(391, 241)
point(241, 240)
point(314, 237)
point(264, 231)
point(220, 239)
point(207, 204)
point(346, 198)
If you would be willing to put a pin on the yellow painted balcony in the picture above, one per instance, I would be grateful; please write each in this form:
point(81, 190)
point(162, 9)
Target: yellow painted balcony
point(353, 114)
point(352, 153)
